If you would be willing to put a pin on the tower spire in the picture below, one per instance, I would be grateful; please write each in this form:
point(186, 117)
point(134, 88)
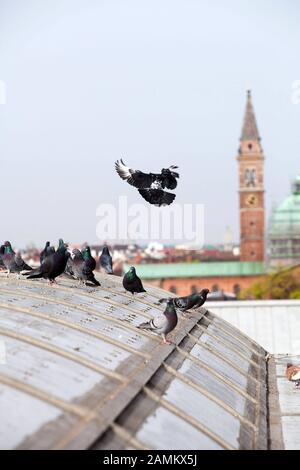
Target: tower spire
point(249, 130)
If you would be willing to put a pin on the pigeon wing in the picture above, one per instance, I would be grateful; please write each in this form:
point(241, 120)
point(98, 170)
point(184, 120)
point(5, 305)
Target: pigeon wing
point(134, 177)
point(157, 197)
point(159, 323)
point(21, 264)
point(181, 302)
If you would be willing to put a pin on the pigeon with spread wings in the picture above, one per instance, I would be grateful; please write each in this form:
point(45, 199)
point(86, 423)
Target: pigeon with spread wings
point(151, 185)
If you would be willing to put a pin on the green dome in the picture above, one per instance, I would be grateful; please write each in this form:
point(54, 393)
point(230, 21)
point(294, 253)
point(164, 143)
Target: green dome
point(285, 220)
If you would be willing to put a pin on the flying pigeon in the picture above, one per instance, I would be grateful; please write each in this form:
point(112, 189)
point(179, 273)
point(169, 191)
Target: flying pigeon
point(132, 282)
point(53, 265)
point(89, 260)
point(163, 323)
point(80, 268)
point(13, 262)
point(105, 260)
point(293, 374)
point(47, 251)
point(188, 302)
point(151, 185)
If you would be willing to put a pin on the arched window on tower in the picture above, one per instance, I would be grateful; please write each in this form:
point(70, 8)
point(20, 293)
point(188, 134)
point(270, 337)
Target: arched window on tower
point(215, 288)
point(194, 289)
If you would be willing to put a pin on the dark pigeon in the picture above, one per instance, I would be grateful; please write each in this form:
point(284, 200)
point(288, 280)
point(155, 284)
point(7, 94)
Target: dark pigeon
point(132, 282)
point(164, 323)
point(53, 265)
point(151, 185)
point(89, 260)
point(47, 251)
point(80, 268)
point(13, 262)
point(188, 302)
point(105, 260)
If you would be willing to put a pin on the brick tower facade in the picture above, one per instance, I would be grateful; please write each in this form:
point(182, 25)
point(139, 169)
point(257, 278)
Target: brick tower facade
point(251, 189)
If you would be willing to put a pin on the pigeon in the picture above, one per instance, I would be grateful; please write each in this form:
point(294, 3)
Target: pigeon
point(105, 260)
point(163, 323)
point(151, 185)
point(53, 265)
point(47, 251)
point(89, 260)
point(132, 282)
point(13, 262)
point(188, 302)
point(293, 374)
point(80, 268)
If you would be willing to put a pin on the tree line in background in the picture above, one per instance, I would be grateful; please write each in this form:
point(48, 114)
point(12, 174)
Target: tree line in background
point(282, 284)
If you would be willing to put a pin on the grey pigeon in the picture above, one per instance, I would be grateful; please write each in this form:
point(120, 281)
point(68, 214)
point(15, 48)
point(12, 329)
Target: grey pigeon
point(47, 251)
point(164, 323)
point(190, 301)
point(13, 262)
point(53, 265)
point(81, 269)
point(105, 260)
point(150, 185)
point(131, 282)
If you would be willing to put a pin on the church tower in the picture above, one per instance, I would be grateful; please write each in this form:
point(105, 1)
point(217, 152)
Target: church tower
point(251, 189)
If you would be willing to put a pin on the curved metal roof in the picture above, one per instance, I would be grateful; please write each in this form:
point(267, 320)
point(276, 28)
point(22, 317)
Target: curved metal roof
point(79, 374)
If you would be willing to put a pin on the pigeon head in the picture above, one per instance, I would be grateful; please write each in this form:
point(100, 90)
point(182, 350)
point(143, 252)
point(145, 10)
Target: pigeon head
point(169, 171)
point(170, 306)
point(204, 292)
point(75, 253)
point(47, 244)
point(105, 250)
point(87, 252)
point(62, 246)
point(132, 269)
point(61, 243)
point(8, 247)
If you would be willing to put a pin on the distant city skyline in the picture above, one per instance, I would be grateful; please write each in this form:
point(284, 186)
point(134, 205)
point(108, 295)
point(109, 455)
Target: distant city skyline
point(155, 83)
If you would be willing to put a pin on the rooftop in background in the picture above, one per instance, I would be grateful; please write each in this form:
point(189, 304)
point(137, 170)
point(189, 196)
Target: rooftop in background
point(199, 269)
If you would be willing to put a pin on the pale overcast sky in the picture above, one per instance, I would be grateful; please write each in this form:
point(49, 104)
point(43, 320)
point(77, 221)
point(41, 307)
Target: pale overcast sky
point(157, 82)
